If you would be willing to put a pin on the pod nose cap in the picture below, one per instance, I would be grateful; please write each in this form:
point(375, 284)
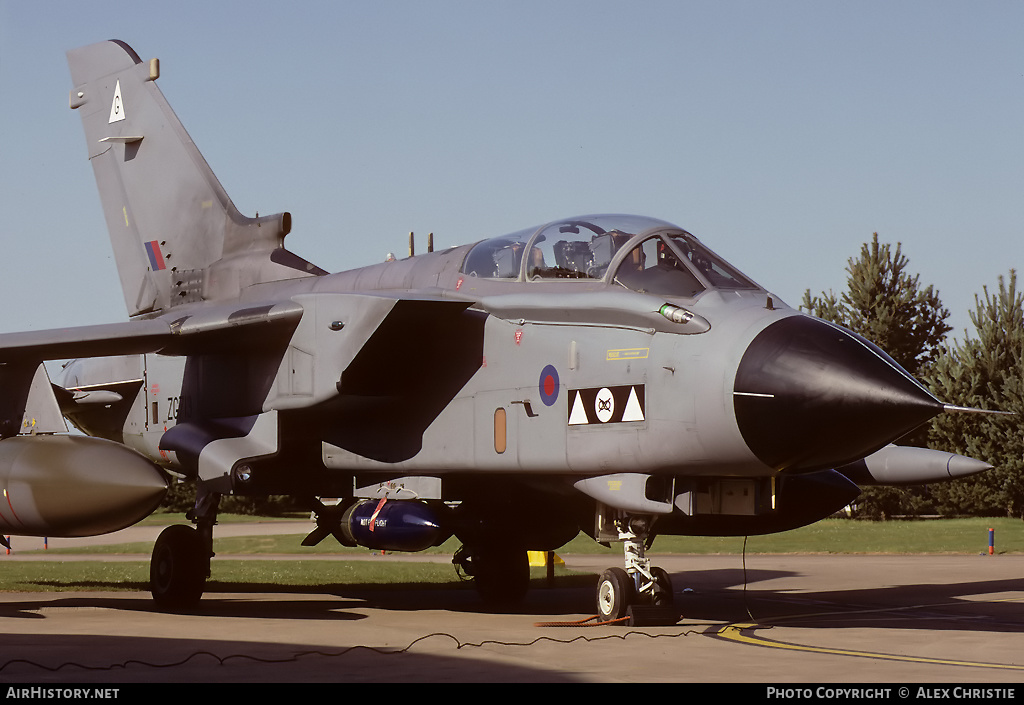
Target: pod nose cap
point(811, 395)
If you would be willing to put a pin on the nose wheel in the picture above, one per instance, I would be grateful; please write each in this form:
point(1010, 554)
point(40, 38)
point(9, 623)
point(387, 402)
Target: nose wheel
point(637, 593)
point(615, 593)
point(663, 595)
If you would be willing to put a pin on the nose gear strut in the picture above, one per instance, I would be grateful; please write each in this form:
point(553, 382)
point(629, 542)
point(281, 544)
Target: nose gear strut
point(638, 592)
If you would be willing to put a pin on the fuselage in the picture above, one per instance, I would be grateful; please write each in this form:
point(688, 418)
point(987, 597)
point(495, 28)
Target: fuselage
point(590, 346)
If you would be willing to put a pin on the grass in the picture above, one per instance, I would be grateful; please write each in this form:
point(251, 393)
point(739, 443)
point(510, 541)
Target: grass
point(827, 536)
point(355, 567)
point(834, 536)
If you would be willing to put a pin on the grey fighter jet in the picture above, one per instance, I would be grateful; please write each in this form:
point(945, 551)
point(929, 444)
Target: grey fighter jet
point(603, 373)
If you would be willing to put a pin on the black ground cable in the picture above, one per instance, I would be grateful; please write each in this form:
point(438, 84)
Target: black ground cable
point(222, 660)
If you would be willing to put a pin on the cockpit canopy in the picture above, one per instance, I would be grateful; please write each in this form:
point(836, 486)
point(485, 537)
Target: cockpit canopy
point(639, 253)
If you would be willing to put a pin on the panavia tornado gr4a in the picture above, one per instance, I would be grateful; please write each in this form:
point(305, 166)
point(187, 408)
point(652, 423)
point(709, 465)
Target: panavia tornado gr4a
point(603, 373)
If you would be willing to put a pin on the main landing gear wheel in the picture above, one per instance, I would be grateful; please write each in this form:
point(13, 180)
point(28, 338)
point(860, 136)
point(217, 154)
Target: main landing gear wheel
point(615, 593)
point(178, 569)
point(501, 573)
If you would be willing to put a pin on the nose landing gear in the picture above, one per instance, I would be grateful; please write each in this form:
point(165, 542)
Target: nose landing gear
point(637, 593)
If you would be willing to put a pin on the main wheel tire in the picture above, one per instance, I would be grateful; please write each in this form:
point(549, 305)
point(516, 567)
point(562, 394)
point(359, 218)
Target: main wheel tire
point(615, 593)
point(502, 574)
point(177, 570)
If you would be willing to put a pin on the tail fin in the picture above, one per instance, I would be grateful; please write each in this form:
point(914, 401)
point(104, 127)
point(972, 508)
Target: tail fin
point(176, 235)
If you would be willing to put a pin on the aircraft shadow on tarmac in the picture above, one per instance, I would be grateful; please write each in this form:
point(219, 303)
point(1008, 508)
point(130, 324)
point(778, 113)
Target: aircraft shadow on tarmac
point(907, 607)
point(718, 595)
point(101, 658)
point(952, 605)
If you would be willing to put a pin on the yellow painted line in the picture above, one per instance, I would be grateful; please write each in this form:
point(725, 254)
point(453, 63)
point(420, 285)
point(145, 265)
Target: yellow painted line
point(738, 633)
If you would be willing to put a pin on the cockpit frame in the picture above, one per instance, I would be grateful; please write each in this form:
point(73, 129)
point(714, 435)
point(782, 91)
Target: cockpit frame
point(684, 267)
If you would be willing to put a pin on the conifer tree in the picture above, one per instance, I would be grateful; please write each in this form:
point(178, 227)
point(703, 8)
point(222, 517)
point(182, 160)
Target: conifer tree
point(985, 372)
point(889, 307)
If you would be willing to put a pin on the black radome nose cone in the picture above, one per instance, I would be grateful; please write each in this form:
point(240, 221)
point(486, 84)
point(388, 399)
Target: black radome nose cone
point(811, 395)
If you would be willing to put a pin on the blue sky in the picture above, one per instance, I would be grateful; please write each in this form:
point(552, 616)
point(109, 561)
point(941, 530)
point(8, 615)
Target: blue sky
point(781, 133)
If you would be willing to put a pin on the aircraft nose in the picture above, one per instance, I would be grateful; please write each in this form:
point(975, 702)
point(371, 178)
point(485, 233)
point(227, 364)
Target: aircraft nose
point(811, 395)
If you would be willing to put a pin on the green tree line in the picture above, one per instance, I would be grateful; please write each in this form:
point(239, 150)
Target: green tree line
point(889, 306)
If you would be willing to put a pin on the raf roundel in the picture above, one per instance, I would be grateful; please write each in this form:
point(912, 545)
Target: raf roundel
point(549, 385)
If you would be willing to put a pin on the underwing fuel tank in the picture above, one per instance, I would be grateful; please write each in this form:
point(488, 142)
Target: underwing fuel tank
point(69, 486)
point(393, 525)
